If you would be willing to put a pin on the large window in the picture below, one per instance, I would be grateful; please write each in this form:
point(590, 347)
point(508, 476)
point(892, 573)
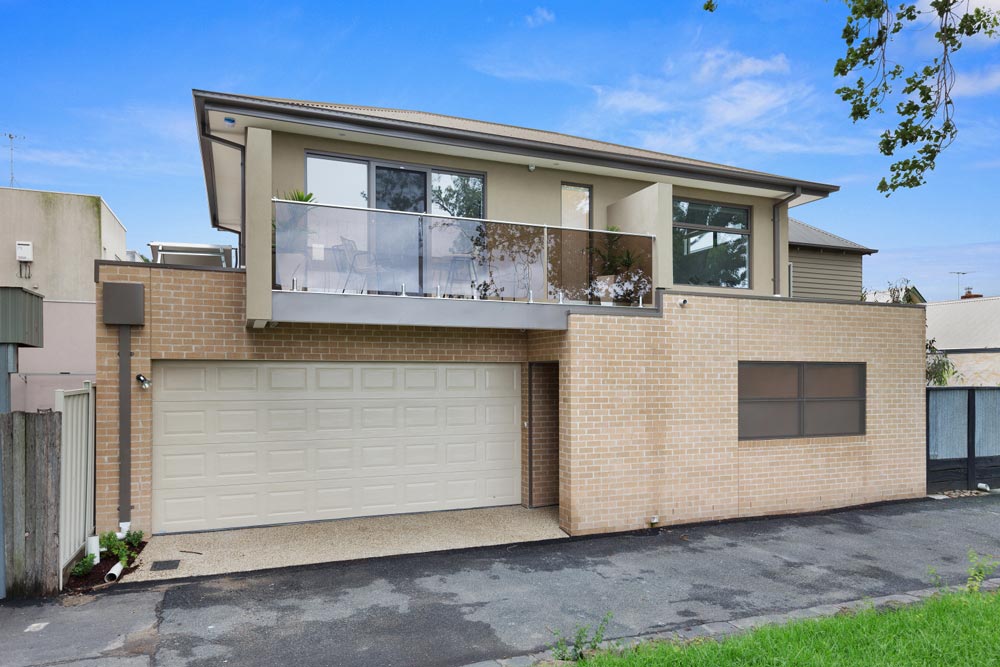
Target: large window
point(397, 187)
point(794, 399)
point(711, 244)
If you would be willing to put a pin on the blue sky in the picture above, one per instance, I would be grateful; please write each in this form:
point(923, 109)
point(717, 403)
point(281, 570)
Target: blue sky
point(102, 96)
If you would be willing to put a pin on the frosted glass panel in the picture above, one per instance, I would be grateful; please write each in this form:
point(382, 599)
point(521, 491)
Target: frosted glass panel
point(988, 422)
point(947, 433)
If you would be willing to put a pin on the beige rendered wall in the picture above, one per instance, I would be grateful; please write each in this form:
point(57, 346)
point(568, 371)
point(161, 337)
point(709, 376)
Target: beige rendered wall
point(512, 192)
point(515, 194)
point(649, 211)
point(259, 168)
point(65, 231)
point(649, 422)
point(976, 369)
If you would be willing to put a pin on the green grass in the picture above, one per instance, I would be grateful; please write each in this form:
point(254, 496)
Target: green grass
point(948, 629)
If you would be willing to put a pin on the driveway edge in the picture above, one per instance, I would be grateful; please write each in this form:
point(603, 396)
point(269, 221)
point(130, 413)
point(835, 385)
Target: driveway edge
point(722, 629)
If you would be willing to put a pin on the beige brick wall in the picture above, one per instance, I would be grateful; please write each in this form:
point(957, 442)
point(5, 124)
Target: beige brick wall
point(543, 413)
point(647, 417)
point(654, 413)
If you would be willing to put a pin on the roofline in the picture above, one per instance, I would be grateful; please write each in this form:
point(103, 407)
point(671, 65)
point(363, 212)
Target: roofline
point(227, 102)
point(819, 246)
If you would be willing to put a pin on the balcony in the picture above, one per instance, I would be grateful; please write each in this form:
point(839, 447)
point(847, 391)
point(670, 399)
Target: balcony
point(452, 271)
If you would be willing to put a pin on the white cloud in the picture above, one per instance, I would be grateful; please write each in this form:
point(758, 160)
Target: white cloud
point(641, 96)
point(724, 65)
point(985, 82)
point(104, 160)
point(539, 17)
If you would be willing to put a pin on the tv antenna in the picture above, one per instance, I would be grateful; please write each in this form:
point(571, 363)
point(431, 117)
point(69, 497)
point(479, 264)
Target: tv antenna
point(11, 138)
point(958, 280)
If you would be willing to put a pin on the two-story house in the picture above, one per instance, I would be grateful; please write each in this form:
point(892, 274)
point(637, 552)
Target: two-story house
point(468, 314)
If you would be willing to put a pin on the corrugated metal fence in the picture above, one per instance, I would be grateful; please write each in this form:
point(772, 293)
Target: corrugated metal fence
point(47, 465)
point(76, 488)
point(963, 437)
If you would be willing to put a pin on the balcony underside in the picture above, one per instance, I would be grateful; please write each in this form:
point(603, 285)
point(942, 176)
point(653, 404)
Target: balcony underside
point(325, 308)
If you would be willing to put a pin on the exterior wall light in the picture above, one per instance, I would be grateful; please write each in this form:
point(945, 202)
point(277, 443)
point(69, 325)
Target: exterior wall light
point(143, 381)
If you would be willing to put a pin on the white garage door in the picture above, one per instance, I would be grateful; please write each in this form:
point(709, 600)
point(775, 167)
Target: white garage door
point(256, 443)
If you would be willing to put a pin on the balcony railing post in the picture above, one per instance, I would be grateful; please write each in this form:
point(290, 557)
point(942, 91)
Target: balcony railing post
point(545, 261)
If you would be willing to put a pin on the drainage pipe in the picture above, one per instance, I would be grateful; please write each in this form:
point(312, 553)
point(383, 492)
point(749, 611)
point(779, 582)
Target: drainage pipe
point(114, 573)
point(776, 233)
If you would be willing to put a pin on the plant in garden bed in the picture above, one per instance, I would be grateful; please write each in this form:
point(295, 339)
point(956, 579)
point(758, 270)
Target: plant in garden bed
point(89, 572)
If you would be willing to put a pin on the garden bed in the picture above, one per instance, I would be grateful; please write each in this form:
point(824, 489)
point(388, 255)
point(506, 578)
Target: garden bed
point(95, 578)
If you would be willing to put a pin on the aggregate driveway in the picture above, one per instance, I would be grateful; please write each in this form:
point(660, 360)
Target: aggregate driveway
point(493, 602)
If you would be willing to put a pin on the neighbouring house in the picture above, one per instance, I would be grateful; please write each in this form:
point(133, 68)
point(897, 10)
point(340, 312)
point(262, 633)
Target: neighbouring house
point(822, 265)
point(968, 331)
point(48, 244)
point(470, 314)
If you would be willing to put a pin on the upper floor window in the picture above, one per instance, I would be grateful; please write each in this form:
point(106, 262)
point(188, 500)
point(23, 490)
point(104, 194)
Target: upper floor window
point(457, 195)
point(576, 206)
point(711, 244)
point(337, 181)
point(397, 187)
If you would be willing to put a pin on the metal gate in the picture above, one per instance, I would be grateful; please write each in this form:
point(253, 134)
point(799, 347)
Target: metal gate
point(963, 437)
point(76, 483)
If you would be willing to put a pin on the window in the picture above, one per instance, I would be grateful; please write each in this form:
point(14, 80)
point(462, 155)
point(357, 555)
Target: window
point(795, 399)
point(576, 207)
point(335, 181)
point(711, 244)
point(397, 187)
point(457, 195)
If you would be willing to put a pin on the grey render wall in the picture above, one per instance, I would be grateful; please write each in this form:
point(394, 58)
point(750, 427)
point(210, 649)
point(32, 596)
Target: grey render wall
point(66, 231)
point(825, 274)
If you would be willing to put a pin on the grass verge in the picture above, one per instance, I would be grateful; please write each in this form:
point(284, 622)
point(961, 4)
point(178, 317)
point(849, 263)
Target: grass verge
point(947, 629)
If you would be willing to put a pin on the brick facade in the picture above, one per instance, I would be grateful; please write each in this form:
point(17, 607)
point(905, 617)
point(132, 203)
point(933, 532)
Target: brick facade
point(647, 406)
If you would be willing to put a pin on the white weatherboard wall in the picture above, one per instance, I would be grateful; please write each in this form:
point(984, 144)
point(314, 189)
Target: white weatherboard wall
point(257, 443)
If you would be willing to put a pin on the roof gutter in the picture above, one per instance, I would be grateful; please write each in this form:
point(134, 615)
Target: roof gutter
point(408, 130)
point(776, 233)
point(849, 251)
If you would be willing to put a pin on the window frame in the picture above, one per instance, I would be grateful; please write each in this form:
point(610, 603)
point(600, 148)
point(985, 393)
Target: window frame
point(802, 401)
point(719, 230)
point(372, 163)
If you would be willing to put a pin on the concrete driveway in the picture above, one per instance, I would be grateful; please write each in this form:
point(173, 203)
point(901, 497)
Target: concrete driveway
point(462, 607)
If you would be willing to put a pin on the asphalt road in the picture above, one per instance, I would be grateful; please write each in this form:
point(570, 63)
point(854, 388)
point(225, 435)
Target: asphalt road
point(462, 607)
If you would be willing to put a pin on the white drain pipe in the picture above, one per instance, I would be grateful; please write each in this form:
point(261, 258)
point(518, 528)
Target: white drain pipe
point(113, 573)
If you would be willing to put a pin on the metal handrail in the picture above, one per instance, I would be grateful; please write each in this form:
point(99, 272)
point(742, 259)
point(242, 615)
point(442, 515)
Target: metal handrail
point(276, 200)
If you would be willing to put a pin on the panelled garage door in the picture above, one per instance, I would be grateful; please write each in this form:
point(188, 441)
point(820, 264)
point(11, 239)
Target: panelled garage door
point(257, 443)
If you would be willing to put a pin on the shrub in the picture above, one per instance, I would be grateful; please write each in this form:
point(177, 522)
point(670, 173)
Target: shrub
point(133, 538)
point(116, 547)
point(83, 566)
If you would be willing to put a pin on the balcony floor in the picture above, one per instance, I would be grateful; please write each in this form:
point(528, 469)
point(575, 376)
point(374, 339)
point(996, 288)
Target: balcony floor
point(326, 308)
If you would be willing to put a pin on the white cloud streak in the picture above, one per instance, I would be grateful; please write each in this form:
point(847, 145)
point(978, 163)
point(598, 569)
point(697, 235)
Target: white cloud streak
point(975, 84)
point(539, 17)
